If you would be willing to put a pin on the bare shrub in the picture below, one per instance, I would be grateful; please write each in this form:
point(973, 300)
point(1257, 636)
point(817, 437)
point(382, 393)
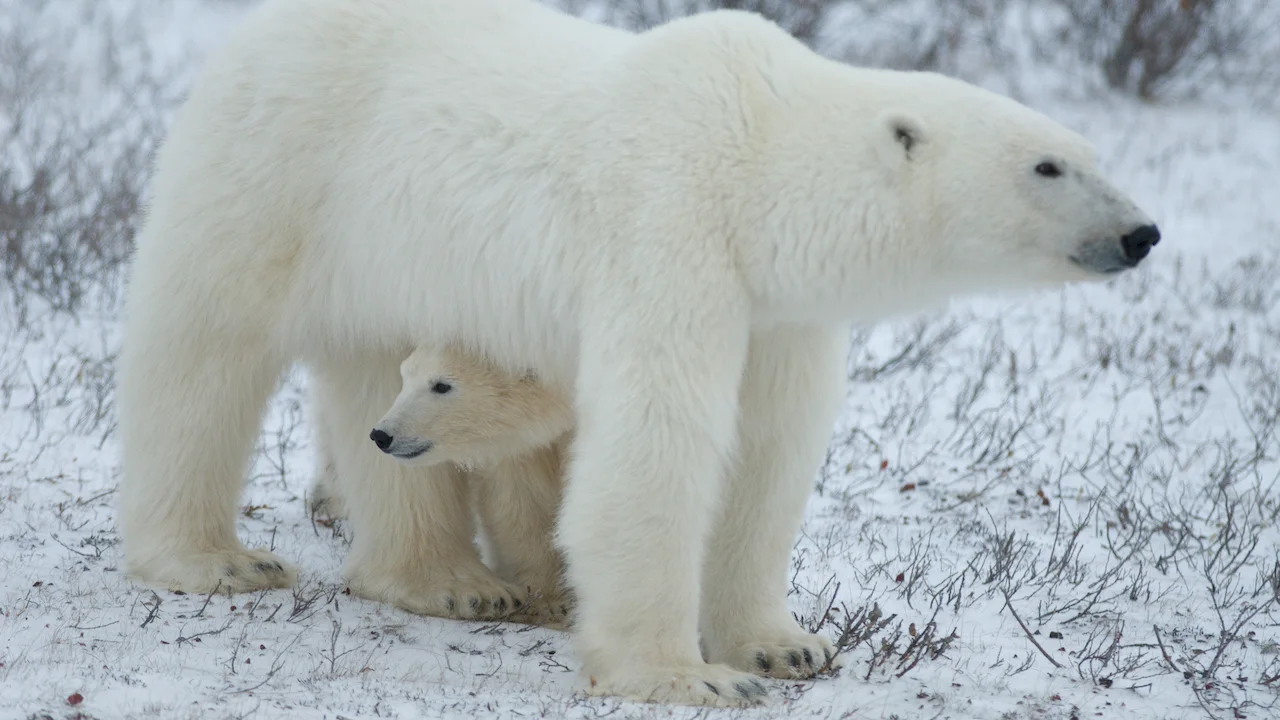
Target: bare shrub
point(903, 34)
point(1150, 48)
point(801, 18)
point(80, 117)
point(1156, 47)
point(958, 37)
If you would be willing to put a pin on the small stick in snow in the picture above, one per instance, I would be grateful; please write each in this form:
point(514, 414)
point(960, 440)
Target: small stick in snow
point(1028, 631)
point(207, 598)
point(1160, 642)
point(155, 609)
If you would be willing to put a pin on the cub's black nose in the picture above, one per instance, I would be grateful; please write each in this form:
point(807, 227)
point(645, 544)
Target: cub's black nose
point(381, 439)
point(1139, 242)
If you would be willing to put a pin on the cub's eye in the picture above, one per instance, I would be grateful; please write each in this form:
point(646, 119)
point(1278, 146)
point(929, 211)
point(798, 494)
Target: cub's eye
point(1048, 169)
point(442, 388)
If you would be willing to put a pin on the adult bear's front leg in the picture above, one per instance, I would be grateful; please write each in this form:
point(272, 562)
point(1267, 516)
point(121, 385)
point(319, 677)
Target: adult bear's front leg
point(791, 392)
point(414, 537)
point(657, 399)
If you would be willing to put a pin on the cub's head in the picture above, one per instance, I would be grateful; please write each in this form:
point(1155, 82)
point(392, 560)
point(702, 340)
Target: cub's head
point(456, 407)
point(996, 195)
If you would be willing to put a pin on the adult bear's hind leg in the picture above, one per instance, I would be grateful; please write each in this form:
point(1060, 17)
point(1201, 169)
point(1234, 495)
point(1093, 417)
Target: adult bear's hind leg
point(191, 392)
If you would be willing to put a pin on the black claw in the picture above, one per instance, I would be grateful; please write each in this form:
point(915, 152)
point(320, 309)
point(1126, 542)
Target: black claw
point(267, 567)
point(794, 658)
point(762, 661)
point(760, 688)
point(827, 653)
point(449, 604)
point(230, 571)
point(808, 657)
point(711, 687)
point(517, 603)
point(500, 605)
point(474, 603)
point(744, 690)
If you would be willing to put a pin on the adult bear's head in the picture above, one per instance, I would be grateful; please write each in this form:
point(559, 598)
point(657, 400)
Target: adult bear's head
point(1004, 193)
point(886, 191)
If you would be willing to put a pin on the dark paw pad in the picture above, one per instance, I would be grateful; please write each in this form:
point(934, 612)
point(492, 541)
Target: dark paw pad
point(762, 662)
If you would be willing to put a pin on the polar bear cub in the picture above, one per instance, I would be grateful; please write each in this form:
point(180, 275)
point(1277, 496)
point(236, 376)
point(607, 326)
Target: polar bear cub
point(509, 433)
point(456, 407)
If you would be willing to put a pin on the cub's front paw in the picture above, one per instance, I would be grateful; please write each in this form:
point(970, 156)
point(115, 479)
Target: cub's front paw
point(703, 684)
point(546, 611)
point(465, 593)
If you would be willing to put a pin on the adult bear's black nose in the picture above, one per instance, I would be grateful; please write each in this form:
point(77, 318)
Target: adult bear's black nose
point(381, 439)
point(1139, 242)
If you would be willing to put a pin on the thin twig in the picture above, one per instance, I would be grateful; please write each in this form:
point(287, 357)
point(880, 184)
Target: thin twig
point(207, 598)
point(1026, 630)
point(155, 609)
point(1160, 642)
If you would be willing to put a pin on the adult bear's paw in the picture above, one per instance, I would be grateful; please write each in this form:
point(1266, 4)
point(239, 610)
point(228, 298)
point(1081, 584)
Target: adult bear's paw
point(793, 655)
point(229, 571)
point(702, 684)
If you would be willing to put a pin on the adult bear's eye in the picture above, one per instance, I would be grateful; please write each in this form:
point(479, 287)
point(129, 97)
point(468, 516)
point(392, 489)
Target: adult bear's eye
point(442, 388)
point(1048, 169)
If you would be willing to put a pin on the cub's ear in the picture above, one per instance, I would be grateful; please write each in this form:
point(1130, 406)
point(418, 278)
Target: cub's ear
point(901, 137)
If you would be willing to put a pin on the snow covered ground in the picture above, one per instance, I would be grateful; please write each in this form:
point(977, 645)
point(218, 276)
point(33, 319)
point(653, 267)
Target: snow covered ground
point(1062, 505)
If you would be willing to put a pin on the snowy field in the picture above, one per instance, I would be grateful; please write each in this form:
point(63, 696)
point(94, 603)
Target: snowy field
point(1061, 505)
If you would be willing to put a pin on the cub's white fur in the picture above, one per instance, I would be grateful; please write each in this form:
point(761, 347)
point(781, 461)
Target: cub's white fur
point(458, 408)
point(674, 228)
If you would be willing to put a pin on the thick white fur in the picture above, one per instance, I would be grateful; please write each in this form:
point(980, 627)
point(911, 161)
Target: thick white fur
point(325, 498)
point(509, 433)
point(673, 227)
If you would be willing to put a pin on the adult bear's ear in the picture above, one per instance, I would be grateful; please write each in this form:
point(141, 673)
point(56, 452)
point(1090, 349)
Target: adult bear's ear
point(901, 136)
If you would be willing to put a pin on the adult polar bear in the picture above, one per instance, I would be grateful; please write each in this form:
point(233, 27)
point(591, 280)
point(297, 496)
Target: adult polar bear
point(675, 226)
